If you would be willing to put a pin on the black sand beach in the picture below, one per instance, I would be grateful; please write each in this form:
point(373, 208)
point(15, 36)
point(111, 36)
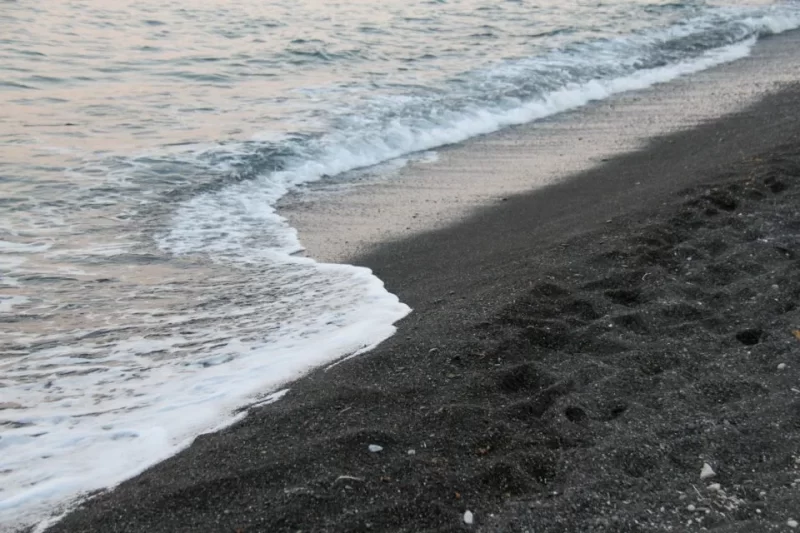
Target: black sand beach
point(574, 358)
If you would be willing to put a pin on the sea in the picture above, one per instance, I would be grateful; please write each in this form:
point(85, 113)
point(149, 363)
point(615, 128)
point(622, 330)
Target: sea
point(149, 290)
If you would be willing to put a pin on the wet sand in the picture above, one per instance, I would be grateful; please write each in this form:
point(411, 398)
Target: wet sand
point(576, 355)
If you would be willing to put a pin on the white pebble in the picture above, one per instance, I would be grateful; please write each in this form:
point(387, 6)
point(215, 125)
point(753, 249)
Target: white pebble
point(791, 523)
point(707, 471)
point(468, 517)
point(782, 366)
point(691, 507)
point(412, 452)
point(716, 487)
point(374, 448)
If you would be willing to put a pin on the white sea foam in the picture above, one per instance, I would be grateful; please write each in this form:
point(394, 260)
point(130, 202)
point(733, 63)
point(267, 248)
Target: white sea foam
point(113, 409)
point(227, 222)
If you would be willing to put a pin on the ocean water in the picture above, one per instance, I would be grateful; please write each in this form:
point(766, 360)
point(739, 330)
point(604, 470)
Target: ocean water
point(148, 289)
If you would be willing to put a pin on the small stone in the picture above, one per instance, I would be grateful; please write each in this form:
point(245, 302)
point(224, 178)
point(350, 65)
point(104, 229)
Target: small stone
point(412, 452)
point(707, 471)
point(782, 366)
point(468, 518)
point(791, 523)
point(374, 448)
point(691, 508)
point(715, 487)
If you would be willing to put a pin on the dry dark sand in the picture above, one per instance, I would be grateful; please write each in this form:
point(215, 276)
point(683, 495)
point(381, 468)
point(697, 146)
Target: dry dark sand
point(574, 358)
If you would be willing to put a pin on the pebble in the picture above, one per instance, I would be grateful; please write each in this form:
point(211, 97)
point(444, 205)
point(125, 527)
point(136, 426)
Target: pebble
point(691, 507)
point(791, 523)
point(707, 471)
point(716, 487)
point(468, 518)
point(782, 366)
point(412, 452)
point(374, 448)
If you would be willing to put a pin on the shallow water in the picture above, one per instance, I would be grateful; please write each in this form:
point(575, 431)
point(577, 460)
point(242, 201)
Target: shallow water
point(148, 288)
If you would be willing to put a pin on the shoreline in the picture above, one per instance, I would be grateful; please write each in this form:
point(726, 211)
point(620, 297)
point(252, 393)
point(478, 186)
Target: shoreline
point(339, 219)
point(574, 357)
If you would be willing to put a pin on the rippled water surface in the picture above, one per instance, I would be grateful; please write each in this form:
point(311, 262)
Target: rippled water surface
point(147, 287)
